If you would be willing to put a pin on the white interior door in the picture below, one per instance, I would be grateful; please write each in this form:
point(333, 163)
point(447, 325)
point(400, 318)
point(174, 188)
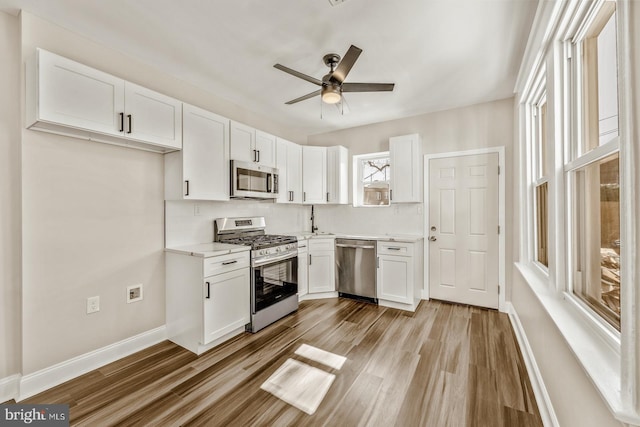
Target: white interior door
point(463, 229)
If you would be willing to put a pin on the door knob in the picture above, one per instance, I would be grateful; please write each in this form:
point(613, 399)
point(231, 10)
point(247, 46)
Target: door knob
point(433, 228)
point(432, 238)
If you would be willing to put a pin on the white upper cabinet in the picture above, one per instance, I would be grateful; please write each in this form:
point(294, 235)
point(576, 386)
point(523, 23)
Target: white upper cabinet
point(201, 170)
point(243, 141)
point(266, 148)
point(251, 145)
point(314, 175)
point(406, 168)
point(337, 175)
point(69, 98)
point(152, 117)
point(289, 164)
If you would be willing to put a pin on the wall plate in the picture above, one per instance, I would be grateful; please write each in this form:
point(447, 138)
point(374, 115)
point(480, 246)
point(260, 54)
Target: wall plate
point(134, 293)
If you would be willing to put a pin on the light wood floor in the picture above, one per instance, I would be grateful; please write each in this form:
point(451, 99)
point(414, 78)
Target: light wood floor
point(445, 365)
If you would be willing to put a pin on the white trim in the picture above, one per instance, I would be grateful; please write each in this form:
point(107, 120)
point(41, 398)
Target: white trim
point(501, 216)
point(9, 387)
point(545, 407)
point(52, 376)
point(599, 360)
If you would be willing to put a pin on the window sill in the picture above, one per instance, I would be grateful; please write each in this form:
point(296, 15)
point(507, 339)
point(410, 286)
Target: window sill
point(597, 350)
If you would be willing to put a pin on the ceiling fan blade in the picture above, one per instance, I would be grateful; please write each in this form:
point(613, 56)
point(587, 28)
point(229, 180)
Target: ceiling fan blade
point(343, 68)
point(299, 74)
point(302, 98)
point(367, 87)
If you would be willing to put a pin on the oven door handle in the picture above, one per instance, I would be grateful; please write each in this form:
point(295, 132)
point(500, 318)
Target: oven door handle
point(261, 262)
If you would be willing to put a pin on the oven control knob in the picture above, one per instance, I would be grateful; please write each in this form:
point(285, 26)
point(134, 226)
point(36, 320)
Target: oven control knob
point(278, 249)
point(262, 252)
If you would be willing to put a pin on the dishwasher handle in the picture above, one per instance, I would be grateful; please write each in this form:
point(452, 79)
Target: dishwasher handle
point(342, 245)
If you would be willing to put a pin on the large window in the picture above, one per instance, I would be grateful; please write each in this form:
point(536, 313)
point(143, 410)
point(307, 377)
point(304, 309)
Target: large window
point(372, 173)
point(592, 171)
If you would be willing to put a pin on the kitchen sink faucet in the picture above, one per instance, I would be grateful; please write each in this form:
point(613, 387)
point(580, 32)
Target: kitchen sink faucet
point(313, 220)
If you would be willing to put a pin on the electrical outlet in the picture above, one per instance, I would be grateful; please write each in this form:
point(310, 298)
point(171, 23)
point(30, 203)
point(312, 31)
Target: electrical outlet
point(196, 210)
point(93, 304)
point(134, 293)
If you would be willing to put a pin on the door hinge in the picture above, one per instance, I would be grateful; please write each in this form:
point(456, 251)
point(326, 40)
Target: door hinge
point(498, 229)
point(498, 170)
point(498, 289)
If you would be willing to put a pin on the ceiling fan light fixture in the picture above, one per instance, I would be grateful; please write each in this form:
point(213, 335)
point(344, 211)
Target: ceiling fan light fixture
point(331, 94)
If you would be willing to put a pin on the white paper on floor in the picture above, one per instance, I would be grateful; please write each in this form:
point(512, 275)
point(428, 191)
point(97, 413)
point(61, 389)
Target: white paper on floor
point(299, 385)
point(331, 360)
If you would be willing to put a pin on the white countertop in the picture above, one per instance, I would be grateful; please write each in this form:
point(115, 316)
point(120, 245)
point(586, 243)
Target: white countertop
point(206, 250)
point(304, 235)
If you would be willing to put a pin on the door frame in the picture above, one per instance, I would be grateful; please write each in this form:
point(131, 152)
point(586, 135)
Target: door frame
point(502, 305)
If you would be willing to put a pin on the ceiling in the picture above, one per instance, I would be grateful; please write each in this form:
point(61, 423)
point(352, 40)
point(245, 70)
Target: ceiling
point(440, 54)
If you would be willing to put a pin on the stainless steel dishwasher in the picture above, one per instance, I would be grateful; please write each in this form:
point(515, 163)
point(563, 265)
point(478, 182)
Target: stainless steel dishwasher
point(356, 269)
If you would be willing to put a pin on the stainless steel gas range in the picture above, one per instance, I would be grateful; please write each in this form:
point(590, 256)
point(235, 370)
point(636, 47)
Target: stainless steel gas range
point(274, 267)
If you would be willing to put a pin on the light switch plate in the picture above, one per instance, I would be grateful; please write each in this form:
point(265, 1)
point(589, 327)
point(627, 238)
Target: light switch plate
point(93, 304)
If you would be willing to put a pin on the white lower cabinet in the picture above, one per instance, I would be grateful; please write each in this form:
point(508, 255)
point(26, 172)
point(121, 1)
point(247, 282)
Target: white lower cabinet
point(399, 276)
point(322, 264)
point(303, 268)
point(207, 299)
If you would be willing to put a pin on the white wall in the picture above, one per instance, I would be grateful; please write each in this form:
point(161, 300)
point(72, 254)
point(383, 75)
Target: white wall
point(184, 226)
point(10, 211)
point(477, 126)
point(93, 216)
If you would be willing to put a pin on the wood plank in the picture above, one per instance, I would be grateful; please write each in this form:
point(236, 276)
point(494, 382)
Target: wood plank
point(445, 364)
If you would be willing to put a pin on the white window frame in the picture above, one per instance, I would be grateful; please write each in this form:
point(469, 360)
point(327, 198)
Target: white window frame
point(536, 177)
point(610, 359)
point(358, 186)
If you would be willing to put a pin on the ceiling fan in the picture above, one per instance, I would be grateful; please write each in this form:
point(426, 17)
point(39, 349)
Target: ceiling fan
point(333, 84)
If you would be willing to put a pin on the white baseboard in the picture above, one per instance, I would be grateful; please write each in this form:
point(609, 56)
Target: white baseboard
point(9, 387)
point(52, 376)
point(543, 400)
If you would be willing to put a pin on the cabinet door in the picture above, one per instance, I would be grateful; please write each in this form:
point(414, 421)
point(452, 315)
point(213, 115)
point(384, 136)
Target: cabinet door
point(226, 303)
point(152, 117)
point(205, 154)
point(294, 172)
point(265, 146)
point(75, 95)
point(314, 175)
point(303, 270)
point(243, 142)
point(282, 147)
point(406, 168)
point(337, 179)
point(395, 279)
point(322, 272)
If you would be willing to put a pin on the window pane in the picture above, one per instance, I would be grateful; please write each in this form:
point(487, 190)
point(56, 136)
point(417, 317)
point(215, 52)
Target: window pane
point(542, 218)
point(600, 76)
point(597, 222)
point(541, 140)
point(375, 170)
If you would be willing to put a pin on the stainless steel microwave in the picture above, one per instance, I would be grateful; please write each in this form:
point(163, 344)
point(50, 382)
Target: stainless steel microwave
point(253, 181)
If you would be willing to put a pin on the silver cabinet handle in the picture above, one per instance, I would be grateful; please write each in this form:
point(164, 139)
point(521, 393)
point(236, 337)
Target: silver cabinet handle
point(208, 290)
point(130, 123)
point(304, 196)
point(394, 248)
point(327, 196)
point(309, 259)
point(230, 262)
point(187, 182)
point(258, 156)
point(121, 122)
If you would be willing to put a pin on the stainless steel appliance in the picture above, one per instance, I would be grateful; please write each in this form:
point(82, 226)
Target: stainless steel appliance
point(356, 269)
point(274, 268)
point(253, 181)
